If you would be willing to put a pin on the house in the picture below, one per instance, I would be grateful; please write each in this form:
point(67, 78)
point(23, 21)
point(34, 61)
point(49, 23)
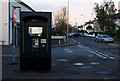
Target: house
point(80, 28)
point(6, 28)
point(90, 23)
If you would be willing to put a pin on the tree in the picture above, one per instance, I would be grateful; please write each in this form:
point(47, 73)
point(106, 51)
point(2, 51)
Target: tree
point(105, 15)
point(61, 20)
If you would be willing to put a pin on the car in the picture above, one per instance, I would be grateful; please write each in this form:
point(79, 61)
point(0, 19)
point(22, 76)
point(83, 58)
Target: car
point(71, 34)
point(82, 34)
point(75, 35)
point(104, 38)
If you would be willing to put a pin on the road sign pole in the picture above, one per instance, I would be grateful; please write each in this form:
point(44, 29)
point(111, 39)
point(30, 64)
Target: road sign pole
point(14, 49)
point(16, 35)
point(17, 21)
point(14, 24)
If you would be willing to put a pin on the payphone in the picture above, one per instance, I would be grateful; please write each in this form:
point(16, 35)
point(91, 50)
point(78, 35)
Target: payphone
point(35, 41)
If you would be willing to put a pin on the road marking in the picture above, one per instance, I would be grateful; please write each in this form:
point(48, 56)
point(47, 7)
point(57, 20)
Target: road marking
point(104, 57)
point(75, 41)
point(88, 50)
point(68, 50)
point(71, 46)
point(111, 57)
point(79, 46)
point(100, 54)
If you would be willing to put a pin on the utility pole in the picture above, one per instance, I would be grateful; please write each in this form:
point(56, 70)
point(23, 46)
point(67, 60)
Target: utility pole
point(68, 21)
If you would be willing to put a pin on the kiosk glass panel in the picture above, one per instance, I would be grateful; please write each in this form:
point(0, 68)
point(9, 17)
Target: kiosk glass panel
point(35, 31)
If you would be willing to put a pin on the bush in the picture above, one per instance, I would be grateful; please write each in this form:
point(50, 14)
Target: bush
point(74, 31)
point(97, 32)
point(57, 33)
point(118, 35)
point(82, 31)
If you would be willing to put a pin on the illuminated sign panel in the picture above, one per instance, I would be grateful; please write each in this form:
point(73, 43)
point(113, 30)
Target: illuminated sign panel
point(35, 31)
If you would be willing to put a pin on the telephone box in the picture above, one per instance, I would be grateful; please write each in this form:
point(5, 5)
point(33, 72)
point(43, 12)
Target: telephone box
point(35, 41)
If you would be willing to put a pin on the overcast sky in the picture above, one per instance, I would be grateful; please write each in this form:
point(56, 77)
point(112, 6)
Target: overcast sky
point(76, 8)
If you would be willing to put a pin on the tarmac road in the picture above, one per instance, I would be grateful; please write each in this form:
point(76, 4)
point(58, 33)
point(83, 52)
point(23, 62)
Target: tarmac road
point(111, 49)
point(82, 61)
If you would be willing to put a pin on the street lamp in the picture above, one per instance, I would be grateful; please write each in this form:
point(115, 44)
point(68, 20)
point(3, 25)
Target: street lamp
point(84, 22)
point(76, 24)
point(68, 21)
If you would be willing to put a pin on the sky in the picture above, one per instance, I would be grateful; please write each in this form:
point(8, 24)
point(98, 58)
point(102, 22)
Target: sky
point(80, 11)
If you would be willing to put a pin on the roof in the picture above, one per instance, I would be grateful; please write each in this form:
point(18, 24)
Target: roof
point(22, 3)
point(80, 26)
point(89, 23)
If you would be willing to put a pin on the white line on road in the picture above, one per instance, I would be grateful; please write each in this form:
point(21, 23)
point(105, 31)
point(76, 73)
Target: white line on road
point(88, 50)
point(71, 46)
point(111, 57)
point(100, 54)
point(68, 50)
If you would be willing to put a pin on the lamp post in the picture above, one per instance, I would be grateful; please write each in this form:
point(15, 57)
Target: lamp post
point(84, 22)
point(76, 24)
point(68, 21)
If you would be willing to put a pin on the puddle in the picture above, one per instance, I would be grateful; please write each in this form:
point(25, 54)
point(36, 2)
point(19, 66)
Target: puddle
point(62, 60)
point(90, 55)
point(103, 72)
point(86, 67)
point(78, 64)
point(94, 63)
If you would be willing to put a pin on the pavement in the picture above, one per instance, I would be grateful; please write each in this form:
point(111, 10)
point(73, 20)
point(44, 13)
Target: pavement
point(70, 42)
point(9, 68)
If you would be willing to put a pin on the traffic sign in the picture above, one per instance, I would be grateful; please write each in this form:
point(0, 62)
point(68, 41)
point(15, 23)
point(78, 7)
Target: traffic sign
point(14, 16)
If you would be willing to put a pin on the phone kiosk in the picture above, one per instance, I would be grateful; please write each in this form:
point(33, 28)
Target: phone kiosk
point(35, 41)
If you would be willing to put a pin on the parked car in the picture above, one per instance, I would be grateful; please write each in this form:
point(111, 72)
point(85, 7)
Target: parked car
point(104, 38)
point(71, 34)
point(75, 35)
point(82, 34)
